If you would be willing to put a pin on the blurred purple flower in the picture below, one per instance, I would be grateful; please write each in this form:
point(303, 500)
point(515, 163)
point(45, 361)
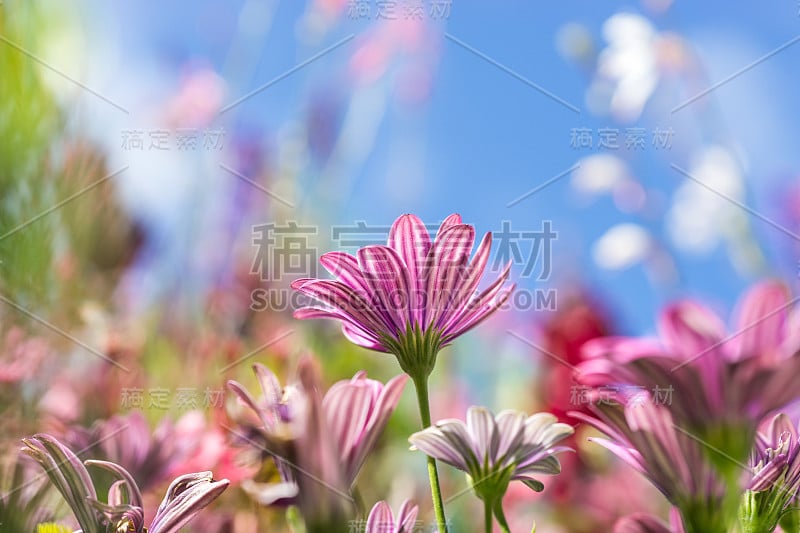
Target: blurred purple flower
point(294, 427)
point(382, 520)
point(720, 385)
point(412, 296)
point(644, 523)
point(643, 434)
point(151, 456)
point(494, 450)
point(186, 496)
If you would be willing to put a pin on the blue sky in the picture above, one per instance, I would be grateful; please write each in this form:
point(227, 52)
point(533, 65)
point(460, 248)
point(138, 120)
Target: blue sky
point(484, 138)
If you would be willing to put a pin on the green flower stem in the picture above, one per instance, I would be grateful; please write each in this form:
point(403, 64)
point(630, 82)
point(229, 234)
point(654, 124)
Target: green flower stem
point(421, 385)
point(487, 515)
point(501, 517)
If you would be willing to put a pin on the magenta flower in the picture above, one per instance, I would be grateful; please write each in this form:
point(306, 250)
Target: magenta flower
point(776, 458)
point(411, 297)
point(775, 464)
point(494, 450)
point(721, 385)
point(185, 498)
point(643, 434)
point(382, 520)
point(318, 444)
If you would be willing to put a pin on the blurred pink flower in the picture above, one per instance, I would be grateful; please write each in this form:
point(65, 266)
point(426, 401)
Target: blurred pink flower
point(382, 520)
point(318, 444)
point(642, 523)
point(405, 51)
point(153, 456)
point(720, 385)
point(643, 434)
point(21, 356)
point(357, 411)
point(198, 99)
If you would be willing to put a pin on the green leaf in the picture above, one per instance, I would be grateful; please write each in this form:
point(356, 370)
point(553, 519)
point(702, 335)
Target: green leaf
point(534, 484)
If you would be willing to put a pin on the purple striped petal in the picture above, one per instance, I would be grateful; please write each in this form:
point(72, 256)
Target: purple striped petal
point(353, 330)
point(244, 396)
point(470, 276)
point(629, 455)
point(380, 519)
point(450, 221)
point(134, 495)
point(483, 432)
point(358, 336)
point(410, 239)
point(68, 475)
point(357, 411)
point(487, 444)
point(449, 253)
point(388, 280)
point(345, 267)
point(338, 295)
point(474, 319)
point(448, 441)
point(695, 334)
point(511, 430)
point(473, 311)
point(186, 496)
point(407, 517)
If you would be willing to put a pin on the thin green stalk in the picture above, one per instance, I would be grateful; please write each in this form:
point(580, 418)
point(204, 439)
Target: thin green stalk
point(501, 517)
point(421, 385)
point(487, 515)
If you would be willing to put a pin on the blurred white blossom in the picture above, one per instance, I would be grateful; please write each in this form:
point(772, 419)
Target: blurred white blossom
point(700, 218)
point(622, 246)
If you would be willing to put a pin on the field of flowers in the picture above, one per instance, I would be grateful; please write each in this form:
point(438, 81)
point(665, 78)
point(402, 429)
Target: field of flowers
point(398, 266)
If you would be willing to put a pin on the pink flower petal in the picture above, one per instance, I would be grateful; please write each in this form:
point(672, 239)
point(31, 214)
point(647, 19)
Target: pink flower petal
point(761, 319)
point(389, 284)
